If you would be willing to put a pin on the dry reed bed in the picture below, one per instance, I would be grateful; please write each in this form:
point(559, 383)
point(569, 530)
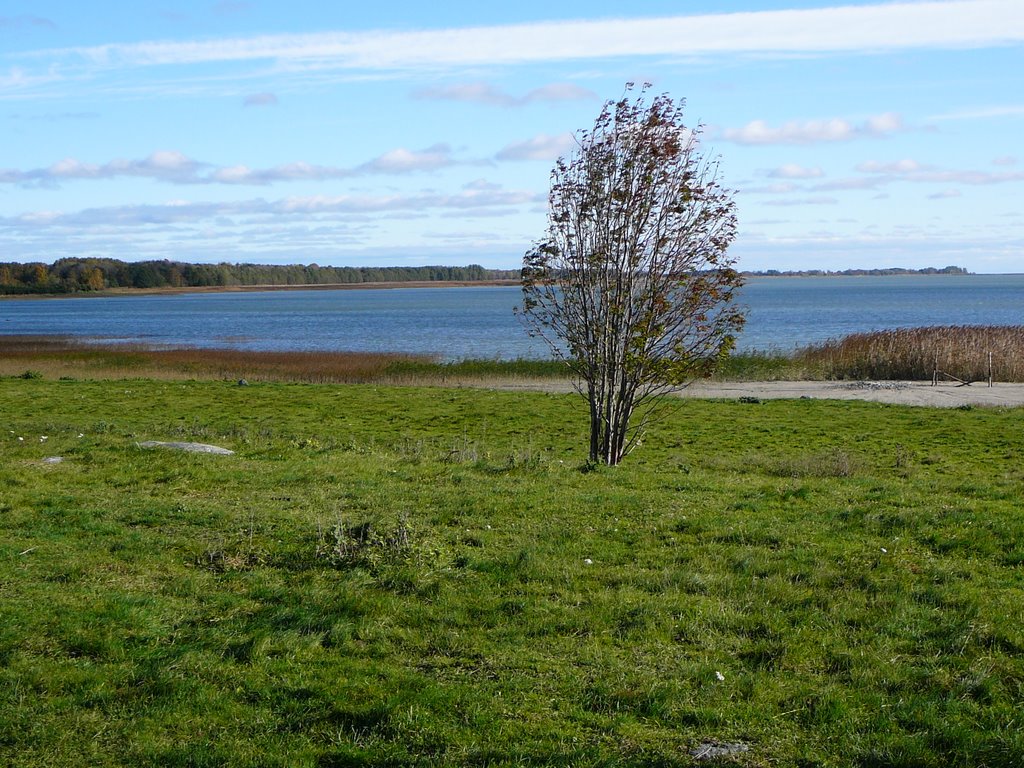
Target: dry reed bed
point(62, 356)
point(915, 353)
point(899, 354)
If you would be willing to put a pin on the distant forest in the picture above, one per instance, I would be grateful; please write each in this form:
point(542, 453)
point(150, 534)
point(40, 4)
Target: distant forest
point(853, 272)
point(89, 275)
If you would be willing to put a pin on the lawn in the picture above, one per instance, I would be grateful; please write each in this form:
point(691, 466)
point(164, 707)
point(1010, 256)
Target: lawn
point(431, 577)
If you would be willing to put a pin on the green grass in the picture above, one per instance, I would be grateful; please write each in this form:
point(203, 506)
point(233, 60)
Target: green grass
point(400, 576)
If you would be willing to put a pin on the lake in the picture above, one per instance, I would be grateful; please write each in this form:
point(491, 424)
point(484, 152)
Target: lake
point(477, 322)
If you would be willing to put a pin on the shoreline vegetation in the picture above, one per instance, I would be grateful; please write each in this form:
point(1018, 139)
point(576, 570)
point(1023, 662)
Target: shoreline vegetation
point(903, 354)
point(884, 272)
point(111, 277)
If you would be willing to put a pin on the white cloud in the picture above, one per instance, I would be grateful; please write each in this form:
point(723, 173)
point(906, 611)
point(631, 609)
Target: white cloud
point(793, 171)
point(174, 162)
point(944, 194)
point(163, 165)
point(18, 79)
point(540, 147)
point(814, 131)
point(69, 168)
point(848, 28)
point(402, 160)
point(1005, 160)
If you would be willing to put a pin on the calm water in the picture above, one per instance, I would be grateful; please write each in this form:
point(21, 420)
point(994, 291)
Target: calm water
point(783, 313)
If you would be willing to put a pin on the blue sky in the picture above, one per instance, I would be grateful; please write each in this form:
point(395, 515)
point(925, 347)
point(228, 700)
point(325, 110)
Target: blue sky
point(862, 134)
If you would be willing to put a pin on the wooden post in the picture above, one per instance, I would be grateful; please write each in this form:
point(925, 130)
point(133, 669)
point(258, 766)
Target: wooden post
point(935, 372)
point(990, 368)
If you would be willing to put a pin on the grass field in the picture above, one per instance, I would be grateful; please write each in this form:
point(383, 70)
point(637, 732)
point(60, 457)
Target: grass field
point(431, 577)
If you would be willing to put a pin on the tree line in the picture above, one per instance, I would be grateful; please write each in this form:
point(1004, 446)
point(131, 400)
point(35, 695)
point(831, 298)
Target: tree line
point(85, 275)
point(882, 272)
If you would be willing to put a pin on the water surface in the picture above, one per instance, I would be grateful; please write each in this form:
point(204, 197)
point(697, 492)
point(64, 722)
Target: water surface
point(478, 322)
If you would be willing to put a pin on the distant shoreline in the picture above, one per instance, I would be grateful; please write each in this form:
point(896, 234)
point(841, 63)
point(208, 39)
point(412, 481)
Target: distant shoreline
point(166, 290)
point(393, 284)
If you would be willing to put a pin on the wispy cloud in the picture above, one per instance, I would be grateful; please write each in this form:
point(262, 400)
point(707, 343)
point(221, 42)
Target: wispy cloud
point(849, 28)
point(944, 194)
point(911, 170)
point(1004, 110)
point(176, 168)
point(540, 147)
point(484, 93)
point(53, 117)
point(878, 174)
point(854, 183)
point(771, 189)
point(14, 22)
point(814, 131)
point(892, 167)
point(182, 212)
point(228, 7)
point(813, 200)
point(793, 171)
point(264, 99)
point(162, 165)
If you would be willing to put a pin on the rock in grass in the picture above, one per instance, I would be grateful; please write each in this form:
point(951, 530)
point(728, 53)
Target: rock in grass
point(53, 460)
point(190, 447)
point(712, 750)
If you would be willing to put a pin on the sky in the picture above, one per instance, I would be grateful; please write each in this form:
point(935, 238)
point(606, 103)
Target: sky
point(855, 135)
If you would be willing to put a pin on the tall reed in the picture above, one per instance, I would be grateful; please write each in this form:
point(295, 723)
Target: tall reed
point(960, 351)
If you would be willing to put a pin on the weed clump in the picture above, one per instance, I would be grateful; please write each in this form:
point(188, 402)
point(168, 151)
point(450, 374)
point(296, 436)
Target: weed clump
point(364, 545)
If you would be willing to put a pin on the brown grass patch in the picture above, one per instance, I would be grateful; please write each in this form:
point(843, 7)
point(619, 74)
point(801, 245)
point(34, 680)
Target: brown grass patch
point(54, 357)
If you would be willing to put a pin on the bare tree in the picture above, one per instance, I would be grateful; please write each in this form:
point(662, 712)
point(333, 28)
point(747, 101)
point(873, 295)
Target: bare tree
point(632, 285)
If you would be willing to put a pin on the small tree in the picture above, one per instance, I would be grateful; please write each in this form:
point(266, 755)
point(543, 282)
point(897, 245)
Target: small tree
point(632, 285)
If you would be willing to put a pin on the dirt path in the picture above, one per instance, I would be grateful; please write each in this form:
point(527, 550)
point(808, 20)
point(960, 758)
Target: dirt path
point(897, 392)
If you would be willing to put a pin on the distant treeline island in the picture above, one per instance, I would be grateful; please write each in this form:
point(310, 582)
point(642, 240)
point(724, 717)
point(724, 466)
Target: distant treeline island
point(858, 272)
point(91, 275)
point(67, 276)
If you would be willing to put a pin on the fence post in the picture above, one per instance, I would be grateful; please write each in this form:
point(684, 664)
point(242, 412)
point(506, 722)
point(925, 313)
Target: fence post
point(990, 368)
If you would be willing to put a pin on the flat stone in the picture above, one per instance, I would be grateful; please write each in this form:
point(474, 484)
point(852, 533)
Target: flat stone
point(53, 460)
point(711, 750)
point(189, 447)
